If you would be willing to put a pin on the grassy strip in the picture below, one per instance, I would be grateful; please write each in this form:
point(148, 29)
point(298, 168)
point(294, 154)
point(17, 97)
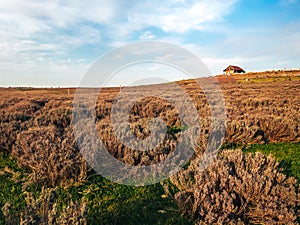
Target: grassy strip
point(267, 79)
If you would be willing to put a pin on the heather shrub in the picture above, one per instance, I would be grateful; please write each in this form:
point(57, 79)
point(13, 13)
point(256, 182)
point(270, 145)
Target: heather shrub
point(47, 210)
point(15, 114)
point(59, 117)
point(10, 126)
point(52, 157)
point(237, 188)
point(9, 133)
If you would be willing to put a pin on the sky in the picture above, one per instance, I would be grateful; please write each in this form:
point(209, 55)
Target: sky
point(54, 43)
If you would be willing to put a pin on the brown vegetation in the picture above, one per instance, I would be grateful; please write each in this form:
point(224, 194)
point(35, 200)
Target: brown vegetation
point(237, 188)
point(35, 126)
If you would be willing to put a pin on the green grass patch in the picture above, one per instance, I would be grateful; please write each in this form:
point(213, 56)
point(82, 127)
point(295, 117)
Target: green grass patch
point(111, 203)
point(11, 178)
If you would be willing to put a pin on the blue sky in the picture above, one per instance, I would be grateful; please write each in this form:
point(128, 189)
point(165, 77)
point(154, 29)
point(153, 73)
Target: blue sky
point(53, 43)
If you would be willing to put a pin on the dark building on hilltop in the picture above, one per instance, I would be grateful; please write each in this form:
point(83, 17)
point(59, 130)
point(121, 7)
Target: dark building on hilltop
point(233, 70)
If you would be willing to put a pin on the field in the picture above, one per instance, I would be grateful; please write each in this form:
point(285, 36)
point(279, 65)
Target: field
point(45, 179)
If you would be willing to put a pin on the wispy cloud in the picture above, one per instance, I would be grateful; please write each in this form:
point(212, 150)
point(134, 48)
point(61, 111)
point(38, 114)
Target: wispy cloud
point(179, 16)
point(53, 29)
point(67, 36)
point(33, 18)
point(147, 35)
point(288, 2)
point(35, 35)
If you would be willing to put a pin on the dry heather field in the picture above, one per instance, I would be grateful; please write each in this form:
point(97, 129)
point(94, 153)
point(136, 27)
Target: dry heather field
point(45, 179)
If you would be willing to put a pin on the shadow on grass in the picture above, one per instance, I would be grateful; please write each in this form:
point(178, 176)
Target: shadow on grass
point(111, 203)
point(142, 211)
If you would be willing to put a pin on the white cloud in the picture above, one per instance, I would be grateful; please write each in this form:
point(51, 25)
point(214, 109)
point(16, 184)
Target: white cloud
point(33, 31)
point(179, 16)
point(34, 19)
point(147, 35)
point(33, 15)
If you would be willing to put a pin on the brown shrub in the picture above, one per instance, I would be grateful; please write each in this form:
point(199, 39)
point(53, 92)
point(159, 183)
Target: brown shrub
point(13, 119)
point(52, 157)
point(237, 188)
point(44, 210)
point(59, 117)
